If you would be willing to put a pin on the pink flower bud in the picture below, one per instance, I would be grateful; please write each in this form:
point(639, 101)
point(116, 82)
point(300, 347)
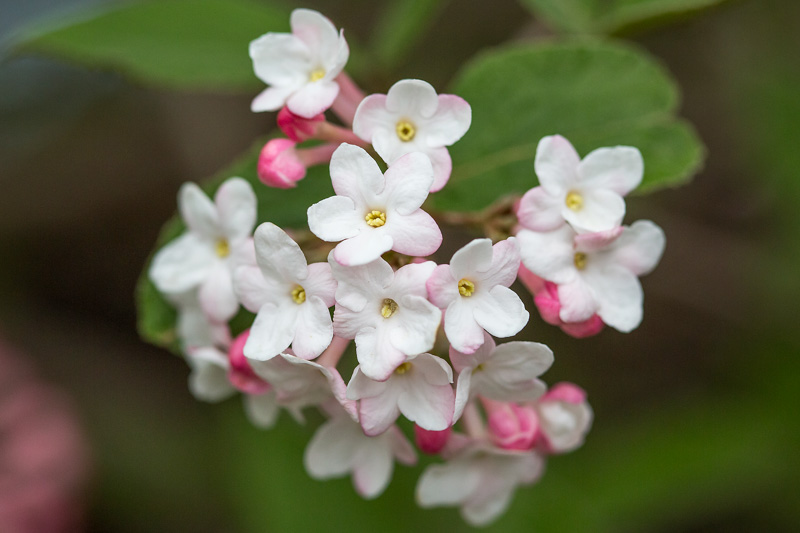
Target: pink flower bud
point(513, 427)
point(564, 392)
point(298, 128)
point(240, 374)
point(278, 164)
point(431, 442)
point(565, 418)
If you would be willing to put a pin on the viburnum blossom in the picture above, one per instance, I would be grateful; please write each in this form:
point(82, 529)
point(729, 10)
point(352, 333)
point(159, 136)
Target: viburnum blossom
point(586, 193)
point(596, 272)
point(300, 67)
point(564, 418)
point(419, 388)
point(373, 213)
point(473, 290)
point(413, 118)
point(386, 312)
point(291, 298)
point(216, 242)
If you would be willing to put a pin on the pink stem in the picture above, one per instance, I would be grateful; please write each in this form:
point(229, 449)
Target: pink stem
point(316, 155)
point(337, 134)
point(473, 422)
point(350, 95)
point(330, 357)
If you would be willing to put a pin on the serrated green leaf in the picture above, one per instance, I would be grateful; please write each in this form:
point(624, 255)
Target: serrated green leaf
point(179, 44)
point(595, 94)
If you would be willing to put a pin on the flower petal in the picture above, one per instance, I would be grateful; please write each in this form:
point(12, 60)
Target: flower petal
point(501, 312)
point(556, 165)
point(442, 287)
point(416, 323)
point(198, 211)
point(262, 409)
point(577, 299)
point(334, 219)
point(183, 264)
point(315, 30)
point(413, 98)
point(314, 330)
point(408, 181)
point(619, 296)
point(371, 116)
point(442, 167)
point(475, 257)
point(540, 211)
point(450, 122)
point(278, 256)
point(549, 255)
point(313, 98)
point(639, 248)
point(463, 332)
point(354, 173)
point(236, 205)
point(272, 332)
point(602, 210)
point(271, 99)
point(216, 295)
point(416, 234)
point(280, 59)
point(364, 248)
point(619, 169)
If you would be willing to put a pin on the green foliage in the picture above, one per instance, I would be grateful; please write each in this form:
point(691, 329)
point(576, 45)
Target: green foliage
point(609, 16)
point(595, 94)
point(179, 44)
point(402, 24)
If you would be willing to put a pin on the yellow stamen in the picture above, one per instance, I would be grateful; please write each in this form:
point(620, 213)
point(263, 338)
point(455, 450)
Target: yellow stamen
point(466, 287)
point(580, 260)
point(405, 130)
point(316, 74)
point(222, 248)
point(477, 368)
point(574, 201)
point(298, 294)
point(402, 369)
point(389, 308)
point(376, 219)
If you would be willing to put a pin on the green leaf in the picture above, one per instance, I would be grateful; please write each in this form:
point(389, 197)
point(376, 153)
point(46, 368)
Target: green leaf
point(179, 44)
point(595, 94)
point(286, 208)
point(401, 25)
point(610, 16)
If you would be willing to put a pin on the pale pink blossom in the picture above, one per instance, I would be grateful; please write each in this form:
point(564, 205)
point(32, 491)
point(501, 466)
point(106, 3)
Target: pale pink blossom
point(564, 418)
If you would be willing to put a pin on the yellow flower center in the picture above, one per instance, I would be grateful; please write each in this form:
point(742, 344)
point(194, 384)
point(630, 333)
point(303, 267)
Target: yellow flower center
point(580, 260)
point(316, 74)
point(466, 287)
point(376, 219)
point(222, 248)
point(574, 201)
point(402, 369)
point(389, 308)
point(478, 368)
point(298, 294)
point(405, 130)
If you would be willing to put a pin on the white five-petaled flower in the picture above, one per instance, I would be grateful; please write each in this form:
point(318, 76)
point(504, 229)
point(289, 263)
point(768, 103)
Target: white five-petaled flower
point(419, 388)
point(505, 373)
point(596, 272)
point(386, 312)
point(481, 480)
point(217, 241)
point(339, 446)
point(291, 298)
point(473, 290)
point(586, 193)
point(413, 118)
point(301, 66)
point(373, 213)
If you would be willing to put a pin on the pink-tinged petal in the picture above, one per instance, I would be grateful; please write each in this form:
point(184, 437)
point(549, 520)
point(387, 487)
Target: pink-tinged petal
point(513, 427)
point(253, 290)
point(548, 304)
point(619, 296)
point(182, 264)
point(361, 386)
point(272, 332)
point(556, 165)
point(320, 282)
point(505, 264)
point(442, 167)
point(315, 30)
point(463, 332)
point(540, 211)
point(271, 99)
point(578, 301)
point(501, 312)
point(408, 181)
point(279, 165)
point(451, 483)
point(313, 98)
point(450, 122)
point(347, 324)
point(435, 370)
point(564, 424)
point(336, 59)
point(475, 257)
point(198, 211)
point(462, 360)
point(401, 448)
point(414, 98)
point(216, 295)
point(377, 357)
point(639, 248)
point(416, 234)
point(619, 169)
point(334, 219)
point(587, 328)
point(510, 375)
point(602, 210)
point(236, 205)
point(463, 393)
point(411, 279)
point(262, 409)
point(373, 471)
point(372, 116)
point(565, 392)
point(388, 145)
point(532, 282)
point(549, 255)
point(298, 128)
point(376, 414)
point(592, 242)
point(278, 255)
point(280, 59)
point(442, 287)
point(364, 248)
point(354, 173)
point(429, 406)
point(416, 322)
point(314, 329)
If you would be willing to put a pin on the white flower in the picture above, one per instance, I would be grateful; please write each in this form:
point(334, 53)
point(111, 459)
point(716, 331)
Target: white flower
point(596, 272)
point(413, 118)
point(506, 373)
point(481, 480)
point(217, 241)
point(373, 213)
point(301, 66)
point(193, 327)
point(419, 388)
point(586, 193)
point(340, 447)
point(290, 297)
point(564, 417)
point(473, 289)
point(386, 312)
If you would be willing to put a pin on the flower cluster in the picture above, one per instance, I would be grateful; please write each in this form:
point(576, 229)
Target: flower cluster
point(424, 333)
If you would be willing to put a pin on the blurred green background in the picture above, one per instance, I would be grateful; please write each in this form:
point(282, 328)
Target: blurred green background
point(697, 425)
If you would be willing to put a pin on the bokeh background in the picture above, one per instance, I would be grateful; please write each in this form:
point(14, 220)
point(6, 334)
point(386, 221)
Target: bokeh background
point(697, 425)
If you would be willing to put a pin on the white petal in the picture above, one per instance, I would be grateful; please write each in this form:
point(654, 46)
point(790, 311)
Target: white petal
point(408, 180)
point(272, 332)
point(271, 99)
point(320, 282)
point(556, 164)
point(262, 409)
point(364, 248)
point(505, 264)
point(639, 248)
point(280, 59)
point(619, 169)
point(451, 483)
point(313, 98)
point(372, 116)
point(450, 122)
point(377, 356)
point(315, 30)
point(602, 210)
point(334, 219)
point(330, 454)
point(253, 290)
point(354, 173)
point(501, 312)
point(549, 255)
point(429, 406)
point(378, 413)
point(416, 234)
point(216, 295)
point(198, 211)
point(442, 287)
point(578, 302)
point(619, 297)
point(412, 279)
point(416, 322)
point(414, 98)
point(314, 329)
point(278, 255)
point(373, 471)
point(236, 205)
point(183, 264)
point(463, 389)
point(540, 211)
point(442, 167)
point(463, 332)
point(475, 257)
